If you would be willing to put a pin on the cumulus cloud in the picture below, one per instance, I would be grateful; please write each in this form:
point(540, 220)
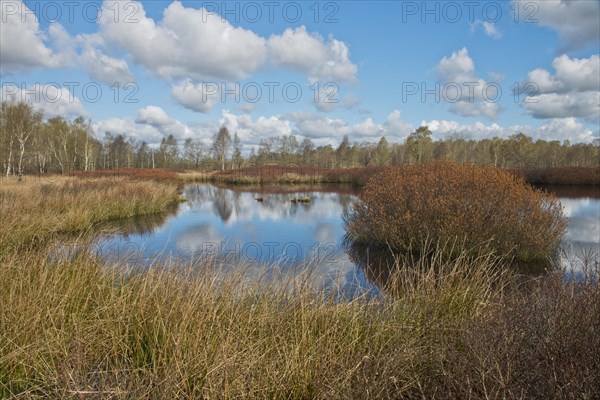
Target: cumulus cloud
point(553, 105)
point(25, 45)
point(105, 68)
point(51, 99)
point(151, 125)
point(186, 43)
point(200, 97)
point(565, 129)
point(576, 21)
point(571, 75)
point(23, 42)
point(572, 91)
point(127, 126)
point(250, 130)
point(463, 89)
point(158, 118)
point(310, 54)
point(555, 129)
point(331, 130)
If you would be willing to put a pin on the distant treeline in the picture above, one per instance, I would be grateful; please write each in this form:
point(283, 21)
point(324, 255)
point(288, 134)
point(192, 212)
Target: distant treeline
point(29, 144)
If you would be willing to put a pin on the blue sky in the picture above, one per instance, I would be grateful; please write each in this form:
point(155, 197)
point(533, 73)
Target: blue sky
point(356, 68)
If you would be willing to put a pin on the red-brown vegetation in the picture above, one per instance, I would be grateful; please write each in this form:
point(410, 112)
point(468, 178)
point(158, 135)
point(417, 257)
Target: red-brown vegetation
point(478, 207)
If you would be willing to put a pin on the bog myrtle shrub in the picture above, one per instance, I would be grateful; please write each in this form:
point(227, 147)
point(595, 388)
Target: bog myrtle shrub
point(442, 201)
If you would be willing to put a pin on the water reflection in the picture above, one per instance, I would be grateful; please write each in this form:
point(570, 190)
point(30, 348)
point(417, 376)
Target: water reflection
point(229, 224)
point(582, 247)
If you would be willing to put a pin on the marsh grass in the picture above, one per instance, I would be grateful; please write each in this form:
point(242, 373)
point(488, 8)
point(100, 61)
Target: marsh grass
point(36, 211)
point(76, 328)
point(460, 327)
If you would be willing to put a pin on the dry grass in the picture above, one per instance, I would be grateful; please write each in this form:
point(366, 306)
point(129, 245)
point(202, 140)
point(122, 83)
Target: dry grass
point(78, 329)
point(36, 211)
point(194, 176)
point(296, 175)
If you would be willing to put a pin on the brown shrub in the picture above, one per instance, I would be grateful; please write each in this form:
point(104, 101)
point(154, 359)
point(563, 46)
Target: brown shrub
point(444, 202)
point(542, 344)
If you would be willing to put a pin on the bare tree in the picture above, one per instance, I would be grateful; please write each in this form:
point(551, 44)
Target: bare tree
point(20, 121)
point(221, 144)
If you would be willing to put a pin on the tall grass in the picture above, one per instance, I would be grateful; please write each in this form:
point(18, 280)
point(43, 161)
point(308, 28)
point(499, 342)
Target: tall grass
point(36, 211)
point(76, 328)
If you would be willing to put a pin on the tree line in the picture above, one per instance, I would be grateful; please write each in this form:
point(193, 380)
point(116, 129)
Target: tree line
point(30, 144)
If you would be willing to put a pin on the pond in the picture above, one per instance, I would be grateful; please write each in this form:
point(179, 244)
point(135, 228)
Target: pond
point(268, 228)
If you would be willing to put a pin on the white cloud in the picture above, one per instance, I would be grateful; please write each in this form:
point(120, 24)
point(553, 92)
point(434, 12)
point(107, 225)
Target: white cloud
point(576, 21)
point(555, 129)
point(24, 47)
point(158, 118)
point(186, 43)
point(52, 100)
point(331, 131)
point(463, 89)
point(22, 40)
point(396, 127)
point(478, 130)
point(564, 129)
point(151, 125)
point(327, 97)
point(489, 28)
point(106, 68)
point(127, 126)
point(308, 53)
point(251, 131)
point(573, 91)
point(571, 75)
point(86, 50)
point(496, 76)
point(553, 105)
point(199, 97)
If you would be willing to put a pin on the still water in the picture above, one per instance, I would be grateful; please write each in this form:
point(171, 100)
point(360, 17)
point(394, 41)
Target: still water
point(259, 228)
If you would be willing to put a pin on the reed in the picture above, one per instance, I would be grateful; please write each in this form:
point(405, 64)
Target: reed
point(35, 211)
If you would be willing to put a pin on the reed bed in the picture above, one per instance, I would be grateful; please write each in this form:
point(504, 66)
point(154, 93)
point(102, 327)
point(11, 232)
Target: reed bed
point(35, 211)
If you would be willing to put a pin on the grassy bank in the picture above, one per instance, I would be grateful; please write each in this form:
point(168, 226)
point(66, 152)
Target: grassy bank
point(576, 176)
point(284, 175)
point(38, 210)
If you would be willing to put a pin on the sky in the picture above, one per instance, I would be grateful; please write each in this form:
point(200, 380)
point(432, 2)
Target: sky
point(316, 69)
